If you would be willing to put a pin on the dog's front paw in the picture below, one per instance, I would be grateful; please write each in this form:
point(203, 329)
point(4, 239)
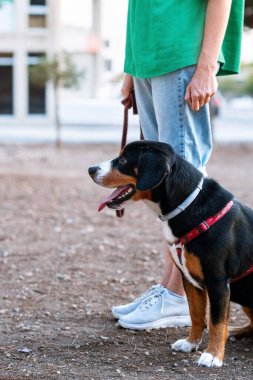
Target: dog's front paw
point(184, 346)
point(208, 360)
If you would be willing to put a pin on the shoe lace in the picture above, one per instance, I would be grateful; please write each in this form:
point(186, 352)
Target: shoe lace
point(151, 291)
point(152, 300)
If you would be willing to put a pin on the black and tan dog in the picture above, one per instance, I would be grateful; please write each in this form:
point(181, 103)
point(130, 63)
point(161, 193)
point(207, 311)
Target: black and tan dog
point(209, 232)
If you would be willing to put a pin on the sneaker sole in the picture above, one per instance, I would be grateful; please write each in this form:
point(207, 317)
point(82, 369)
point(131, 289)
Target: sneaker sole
point(161, 323)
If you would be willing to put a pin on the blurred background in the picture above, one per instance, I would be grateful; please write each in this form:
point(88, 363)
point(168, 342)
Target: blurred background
point(61, 65)
point(63, 265)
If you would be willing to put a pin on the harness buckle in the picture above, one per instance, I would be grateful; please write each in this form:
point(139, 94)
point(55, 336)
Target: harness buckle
point(204, 226)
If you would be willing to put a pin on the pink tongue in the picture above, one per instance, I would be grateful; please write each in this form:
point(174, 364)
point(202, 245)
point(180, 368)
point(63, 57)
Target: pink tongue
point(113, 195)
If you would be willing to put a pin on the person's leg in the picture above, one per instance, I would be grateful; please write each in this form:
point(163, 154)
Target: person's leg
point(187, 131)
point(148, 122)
point(146, 111)
point(163, 306)
point(165, 117)
point(172, 278)
point(190, 134)
point(145, 102)
point(149, 126)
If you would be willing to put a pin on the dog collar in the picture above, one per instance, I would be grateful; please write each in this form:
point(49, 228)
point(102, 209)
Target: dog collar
point(183, 205)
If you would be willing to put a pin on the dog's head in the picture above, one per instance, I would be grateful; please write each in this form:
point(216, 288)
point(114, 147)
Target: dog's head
point(140, 167)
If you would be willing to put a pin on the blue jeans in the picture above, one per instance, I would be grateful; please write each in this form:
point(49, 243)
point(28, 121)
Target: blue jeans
point(166, 117)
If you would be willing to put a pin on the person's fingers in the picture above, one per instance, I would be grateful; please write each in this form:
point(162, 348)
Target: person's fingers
point(208, 96)
point(127, 86)
point(195, 104)
point(207, 99)
point(187, 96)
point(202, 100)
point(197, 98)
point(125, 91)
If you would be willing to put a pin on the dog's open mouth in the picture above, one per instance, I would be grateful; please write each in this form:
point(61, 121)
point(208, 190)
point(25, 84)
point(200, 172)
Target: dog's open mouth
point(117, 197)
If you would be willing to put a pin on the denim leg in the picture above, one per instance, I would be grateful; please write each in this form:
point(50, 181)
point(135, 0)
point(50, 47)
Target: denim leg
point(167, 93)
point(143, 93)
point(198, 131)
point(189, 132)
point(166, 117)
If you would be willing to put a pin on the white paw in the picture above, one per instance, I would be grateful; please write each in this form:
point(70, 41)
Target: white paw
point(184, 346)
point(208, 360)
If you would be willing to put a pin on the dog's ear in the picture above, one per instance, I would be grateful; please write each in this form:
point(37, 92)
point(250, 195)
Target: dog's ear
point(153, 166)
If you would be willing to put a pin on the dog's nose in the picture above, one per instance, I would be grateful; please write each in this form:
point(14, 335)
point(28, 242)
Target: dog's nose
point(92, 170)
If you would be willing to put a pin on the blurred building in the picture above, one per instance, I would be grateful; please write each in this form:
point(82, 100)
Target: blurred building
point(30, 29)
point(81, 37)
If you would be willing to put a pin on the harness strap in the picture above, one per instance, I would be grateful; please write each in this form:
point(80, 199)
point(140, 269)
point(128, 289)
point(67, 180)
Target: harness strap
point(205, 225)
point(244, 274)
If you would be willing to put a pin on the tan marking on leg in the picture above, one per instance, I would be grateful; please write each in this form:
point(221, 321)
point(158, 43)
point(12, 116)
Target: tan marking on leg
point(244, 331)
point(218, 338)
point(197, 303)
point(193, 265)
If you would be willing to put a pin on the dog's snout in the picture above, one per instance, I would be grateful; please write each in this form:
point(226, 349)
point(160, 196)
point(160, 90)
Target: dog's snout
point(93, 170)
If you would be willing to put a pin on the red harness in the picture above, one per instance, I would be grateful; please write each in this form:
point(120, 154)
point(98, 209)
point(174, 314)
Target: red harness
point(203, 227)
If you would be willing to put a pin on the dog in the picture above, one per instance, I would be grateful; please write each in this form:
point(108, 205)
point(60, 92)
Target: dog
point(209, 233)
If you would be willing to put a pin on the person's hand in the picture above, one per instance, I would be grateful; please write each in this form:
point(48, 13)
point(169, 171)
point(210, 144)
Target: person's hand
point(128, 85)
point(201, 88)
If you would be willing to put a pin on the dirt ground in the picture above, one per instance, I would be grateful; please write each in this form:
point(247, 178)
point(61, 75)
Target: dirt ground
point(63, 266)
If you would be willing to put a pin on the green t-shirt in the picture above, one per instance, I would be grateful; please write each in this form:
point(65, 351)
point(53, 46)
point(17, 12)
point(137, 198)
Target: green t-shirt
point(166, 35)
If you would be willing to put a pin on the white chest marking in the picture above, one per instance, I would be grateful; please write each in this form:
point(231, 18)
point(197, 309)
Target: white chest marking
point(171, 239)
point(182, 266)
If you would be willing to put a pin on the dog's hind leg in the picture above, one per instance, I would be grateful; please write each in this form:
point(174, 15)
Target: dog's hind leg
point(244, 331)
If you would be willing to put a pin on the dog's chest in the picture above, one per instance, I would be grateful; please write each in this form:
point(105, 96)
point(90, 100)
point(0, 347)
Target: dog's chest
point(179, 255)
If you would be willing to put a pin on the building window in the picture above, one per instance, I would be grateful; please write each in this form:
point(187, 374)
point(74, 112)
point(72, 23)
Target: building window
point(108, 64)
point(36, 94)
point(106, 43)
point(37, 14)
point(38, 2)
point(37, 21)
point(6, 84)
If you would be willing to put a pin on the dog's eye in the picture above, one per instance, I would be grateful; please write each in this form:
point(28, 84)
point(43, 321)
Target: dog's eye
point(122, 160)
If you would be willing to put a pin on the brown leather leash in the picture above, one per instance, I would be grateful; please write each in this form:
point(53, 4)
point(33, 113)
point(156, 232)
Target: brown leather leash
point(128, 103)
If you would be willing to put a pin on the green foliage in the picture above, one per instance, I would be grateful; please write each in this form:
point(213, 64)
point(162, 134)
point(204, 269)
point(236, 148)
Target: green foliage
point(230, 87)
point(60, 70)
point(248, 87)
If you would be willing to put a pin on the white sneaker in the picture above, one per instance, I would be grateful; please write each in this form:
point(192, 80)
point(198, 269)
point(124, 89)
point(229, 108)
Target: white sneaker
point(120, 311)
point(159, 310)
